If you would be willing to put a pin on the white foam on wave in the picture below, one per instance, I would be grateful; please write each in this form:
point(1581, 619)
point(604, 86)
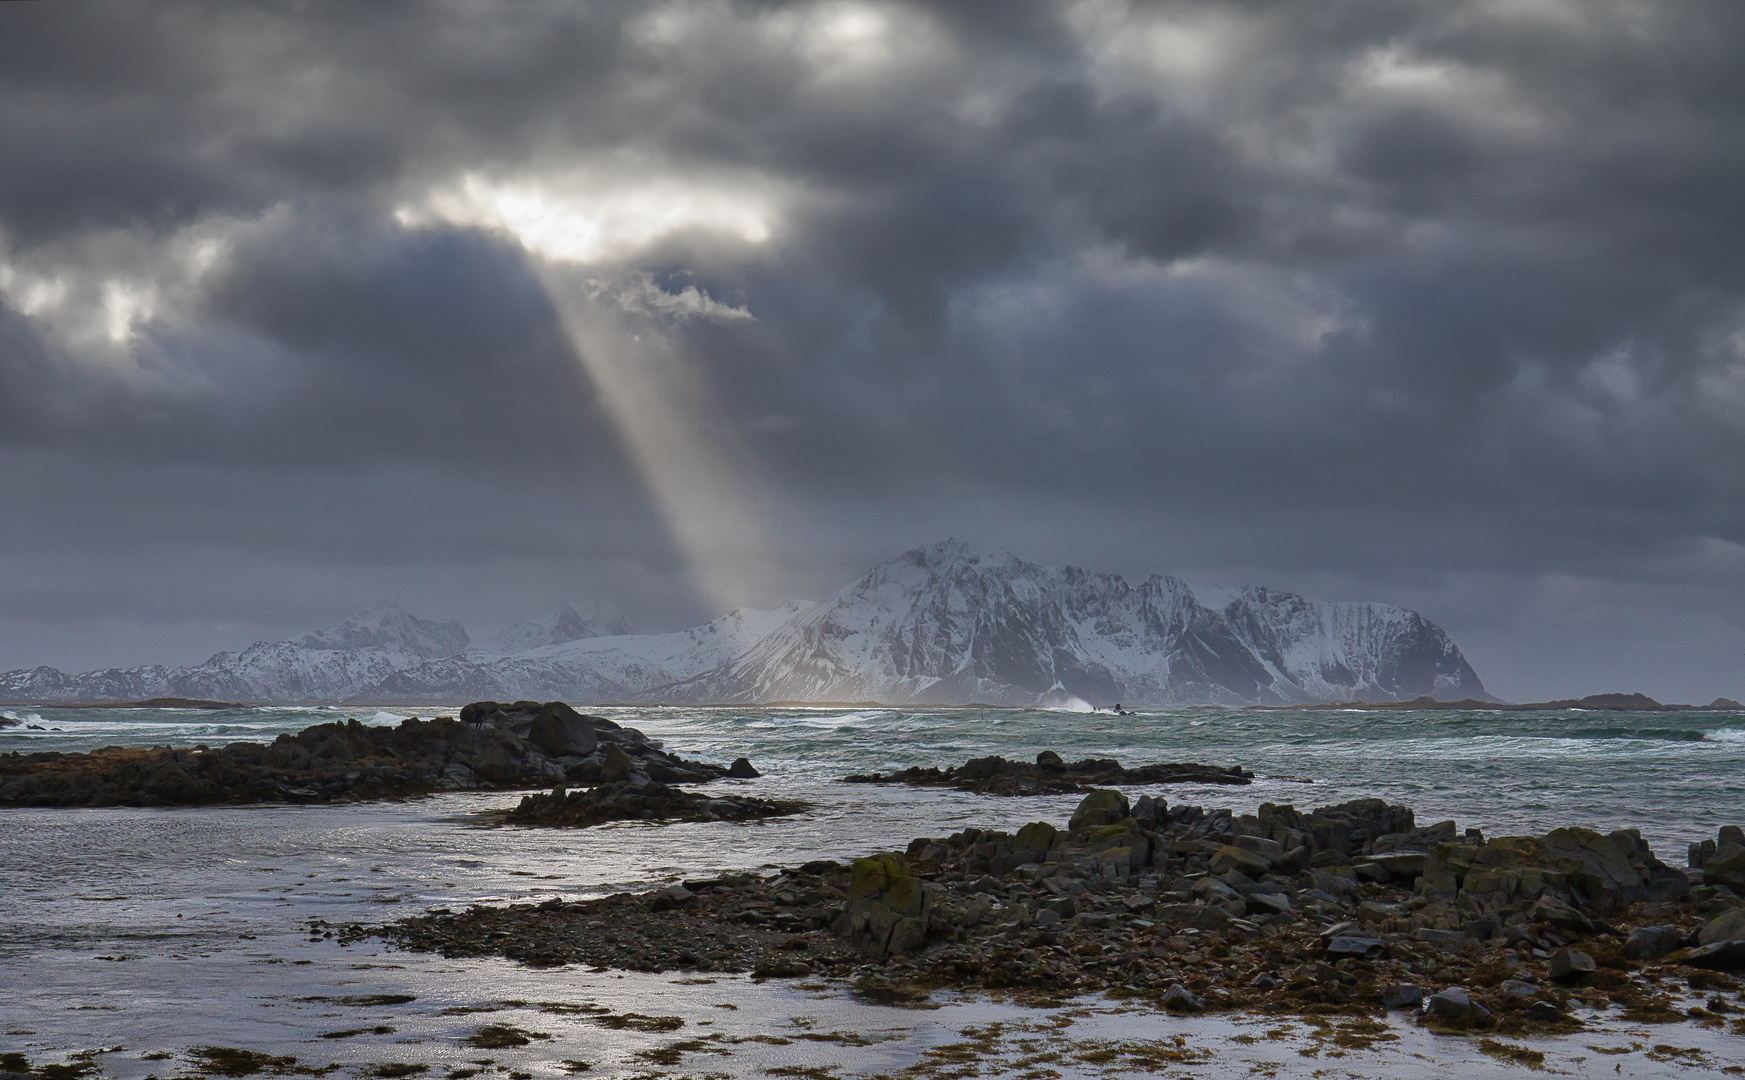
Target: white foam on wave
point(27, 718)
point(1073, 705)
point(385, 717)
point(1724, 735)
point(830, 722)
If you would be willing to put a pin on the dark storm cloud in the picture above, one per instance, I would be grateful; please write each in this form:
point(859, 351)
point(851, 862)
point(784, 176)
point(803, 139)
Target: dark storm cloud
point(1393, 301)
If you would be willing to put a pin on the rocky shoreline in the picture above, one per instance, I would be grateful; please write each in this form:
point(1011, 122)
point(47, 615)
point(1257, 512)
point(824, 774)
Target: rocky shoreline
point(491, 747)
point(1347, 913)
point(1051, 775)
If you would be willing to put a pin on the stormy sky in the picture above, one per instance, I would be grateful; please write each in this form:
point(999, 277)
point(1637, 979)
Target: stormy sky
point(482, 307)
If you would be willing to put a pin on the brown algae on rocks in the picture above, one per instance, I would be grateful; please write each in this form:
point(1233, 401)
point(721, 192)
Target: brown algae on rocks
point(1340, 916)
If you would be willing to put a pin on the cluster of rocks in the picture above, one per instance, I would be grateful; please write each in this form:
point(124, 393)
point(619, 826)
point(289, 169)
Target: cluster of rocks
point(1350, 909)
point(647, 800)
point(492, 746)
point(735, 923)
point(1050, 775)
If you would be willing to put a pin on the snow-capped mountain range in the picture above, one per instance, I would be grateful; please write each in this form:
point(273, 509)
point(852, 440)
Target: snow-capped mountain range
point(942, 624)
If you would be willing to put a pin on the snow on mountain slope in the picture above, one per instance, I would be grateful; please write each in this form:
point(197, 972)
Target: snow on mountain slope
point(622, 667)
point(391, 628)
point(110, 684)
point(943, 624)
point(565, 624)
point(328, 665)
point(949, 624)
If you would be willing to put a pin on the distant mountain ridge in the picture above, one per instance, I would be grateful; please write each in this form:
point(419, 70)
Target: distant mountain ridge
point(565, 624)
point(942, 624)
point(948, 624)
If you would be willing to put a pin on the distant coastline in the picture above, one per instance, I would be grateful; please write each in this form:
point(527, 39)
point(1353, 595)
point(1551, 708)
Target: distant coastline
point(1591, 703)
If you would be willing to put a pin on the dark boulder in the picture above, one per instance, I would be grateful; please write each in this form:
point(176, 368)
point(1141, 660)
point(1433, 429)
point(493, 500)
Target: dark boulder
point(562, 731)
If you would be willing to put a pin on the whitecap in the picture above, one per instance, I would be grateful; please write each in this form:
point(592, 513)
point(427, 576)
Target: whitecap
point(826, 722)
point(1724, 735)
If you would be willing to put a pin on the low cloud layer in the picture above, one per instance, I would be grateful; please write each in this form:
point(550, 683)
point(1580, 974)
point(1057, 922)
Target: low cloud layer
point(484, 307)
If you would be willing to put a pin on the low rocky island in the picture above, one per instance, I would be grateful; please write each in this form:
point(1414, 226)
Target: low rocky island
point(491, 746)
point(638, 800)
point(1344, 913)
point(1051, 775)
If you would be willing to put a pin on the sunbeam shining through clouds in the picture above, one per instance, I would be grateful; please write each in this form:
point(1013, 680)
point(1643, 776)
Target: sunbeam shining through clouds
point(618, 326)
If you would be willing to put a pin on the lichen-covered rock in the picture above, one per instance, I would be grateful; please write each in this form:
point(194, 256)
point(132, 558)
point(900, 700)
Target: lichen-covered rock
point(1230, 857)
point(1579, 869)
point(1726, 866)
point(887, 909)
point(1099, 808)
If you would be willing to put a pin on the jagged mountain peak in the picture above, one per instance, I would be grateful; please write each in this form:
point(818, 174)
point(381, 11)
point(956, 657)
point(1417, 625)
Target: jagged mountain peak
point(950, 622)
point(570, 622)
point(391, 627)
point(954, 552)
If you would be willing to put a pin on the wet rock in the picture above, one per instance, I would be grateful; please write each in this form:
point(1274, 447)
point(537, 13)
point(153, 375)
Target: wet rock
point(1453, 1003)
point(1652, 942)
point(1729, 926)
point(1404, 866)
point(1230, 857)
point(1267, 904)
point(615, 767)
point(1720, 956)
point(673, 896)
point(1050, 774)
point(560, 730)
point(1402, 996)
point(741, 769)
point(1350, 945)
point(1179, 998)
point(1546, 1012)
point(1269, 851)
point(1131, 910)
point(637, 801)
point(1570, 965)
point(500, 746)
point(1727, 865)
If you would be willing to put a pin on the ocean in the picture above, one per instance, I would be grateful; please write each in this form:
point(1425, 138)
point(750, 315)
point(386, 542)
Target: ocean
point(159, 930)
